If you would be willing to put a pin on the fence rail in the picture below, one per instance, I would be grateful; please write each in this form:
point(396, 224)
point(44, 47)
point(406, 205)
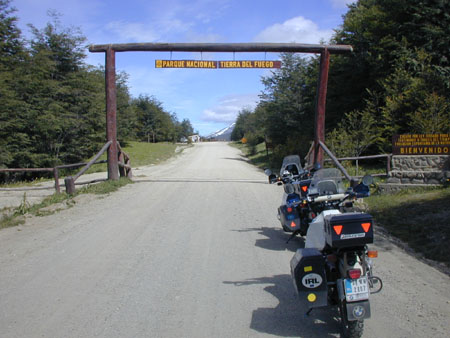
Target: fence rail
point(368, 157)
point(124, 169)
point(309, 160)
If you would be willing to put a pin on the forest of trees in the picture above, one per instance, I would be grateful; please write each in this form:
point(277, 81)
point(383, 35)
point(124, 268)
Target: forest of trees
point(52, 104)
point(396, 81)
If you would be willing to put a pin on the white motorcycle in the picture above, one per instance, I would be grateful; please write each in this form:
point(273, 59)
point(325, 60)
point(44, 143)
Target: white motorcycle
point(335, 267)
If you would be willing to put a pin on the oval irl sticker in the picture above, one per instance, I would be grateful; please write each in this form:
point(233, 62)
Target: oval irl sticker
point(312, 280)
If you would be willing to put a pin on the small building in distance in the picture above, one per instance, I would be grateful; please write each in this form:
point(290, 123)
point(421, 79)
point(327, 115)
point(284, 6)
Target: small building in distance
point(194, 138)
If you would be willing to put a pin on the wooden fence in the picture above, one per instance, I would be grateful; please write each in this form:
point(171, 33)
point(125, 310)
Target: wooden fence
point(70, 181)
point(309, 158)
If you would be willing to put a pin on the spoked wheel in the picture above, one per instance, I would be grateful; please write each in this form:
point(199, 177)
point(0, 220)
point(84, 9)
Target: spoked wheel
point(350, 328)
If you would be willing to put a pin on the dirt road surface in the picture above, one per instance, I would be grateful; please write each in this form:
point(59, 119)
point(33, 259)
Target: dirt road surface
point(192, 249)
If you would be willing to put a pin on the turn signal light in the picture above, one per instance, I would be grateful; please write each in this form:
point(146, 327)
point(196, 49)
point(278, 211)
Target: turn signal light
point(304, 188)
point(372, 254)
point(365, 226)
point(354, 273)
point(338, 229)
point(289, 209)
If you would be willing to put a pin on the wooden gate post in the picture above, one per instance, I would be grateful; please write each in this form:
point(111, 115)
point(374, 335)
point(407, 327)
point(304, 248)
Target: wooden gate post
point(111, 108)
point(319, 125)
point(70, 185)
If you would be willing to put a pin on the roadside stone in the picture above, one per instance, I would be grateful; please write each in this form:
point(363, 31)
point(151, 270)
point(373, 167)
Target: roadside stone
point(393, 180)
point(417, 181)
point(432, 181)
point(405, 180)
point(411, 175)
point(427, 175)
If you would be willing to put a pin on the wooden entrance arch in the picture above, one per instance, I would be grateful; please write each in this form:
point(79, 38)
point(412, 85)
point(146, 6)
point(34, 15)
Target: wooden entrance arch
point(110, 79)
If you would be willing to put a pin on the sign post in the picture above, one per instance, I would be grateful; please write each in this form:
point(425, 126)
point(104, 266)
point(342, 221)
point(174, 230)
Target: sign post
point(111, 112)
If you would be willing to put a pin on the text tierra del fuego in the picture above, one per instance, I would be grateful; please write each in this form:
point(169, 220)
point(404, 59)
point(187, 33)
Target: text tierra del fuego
point(243, 64)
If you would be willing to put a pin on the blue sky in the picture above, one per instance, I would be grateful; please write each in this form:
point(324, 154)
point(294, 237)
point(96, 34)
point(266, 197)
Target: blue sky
point(210, 99)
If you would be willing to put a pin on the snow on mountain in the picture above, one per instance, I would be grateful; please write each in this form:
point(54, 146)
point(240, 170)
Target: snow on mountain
point(222, 134)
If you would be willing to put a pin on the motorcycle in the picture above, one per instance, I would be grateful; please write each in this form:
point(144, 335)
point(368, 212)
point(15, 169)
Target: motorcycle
point(293, 211)
point(335, 266)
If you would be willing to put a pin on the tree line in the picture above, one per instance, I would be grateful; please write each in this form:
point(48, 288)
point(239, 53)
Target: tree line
point(52, 103)
point(397, 81)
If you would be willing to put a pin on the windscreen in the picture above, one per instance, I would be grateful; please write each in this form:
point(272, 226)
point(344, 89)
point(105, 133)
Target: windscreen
point(327, 182)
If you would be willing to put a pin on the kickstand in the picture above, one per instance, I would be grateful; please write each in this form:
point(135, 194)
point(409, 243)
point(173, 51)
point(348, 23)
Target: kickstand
point(292, 236)
point(309, 312)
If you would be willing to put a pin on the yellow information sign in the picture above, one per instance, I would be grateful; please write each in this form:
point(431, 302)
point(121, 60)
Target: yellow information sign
point(421, 144)
point(185, 64)
point(239, 64)
point(249, 64)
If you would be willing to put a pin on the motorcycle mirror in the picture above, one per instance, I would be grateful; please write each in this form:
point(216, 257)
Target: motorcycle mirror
point(272, 178)
point(367, 180)
point(268, 172)
point(362, 190)
point(289, 189)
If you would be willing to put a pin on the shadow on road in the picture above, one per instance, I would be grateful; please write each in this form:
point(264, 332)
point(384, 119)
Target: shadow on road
point(196, 180)
point(288, 319)
point(243, 159)
point(276, 239)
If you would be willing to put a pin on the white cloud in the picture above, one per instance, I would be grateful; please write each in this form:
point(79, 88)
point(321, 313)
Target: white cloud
point(173, 22)
point(206, 38)
point(228, 107)
point(129, 31)
point(298, 29)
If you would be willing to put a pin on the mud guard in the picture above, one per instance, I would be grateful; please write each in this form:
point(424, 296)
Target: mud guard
point(358, 310)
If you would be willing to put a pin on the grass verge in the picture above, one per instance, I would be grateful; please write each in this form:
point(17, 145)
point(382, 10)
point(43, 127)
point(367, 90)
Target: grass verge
point(257, 156)
point(142, 153)
point(16, 216)
point(418, 217)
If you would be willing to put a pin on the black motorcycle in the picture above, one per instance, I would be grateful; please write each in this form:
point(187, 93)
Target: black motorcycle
point(293, 213)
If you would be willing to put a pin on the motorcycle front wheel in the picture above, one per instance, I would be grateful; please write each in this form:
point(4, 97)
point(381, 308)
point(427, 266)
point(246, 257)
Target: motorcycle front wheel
point(350, 328)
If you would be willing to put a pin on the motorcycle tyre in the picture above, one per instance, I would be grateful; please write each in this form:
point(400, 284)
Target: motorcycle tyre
point(350, 328)
point(285, 228)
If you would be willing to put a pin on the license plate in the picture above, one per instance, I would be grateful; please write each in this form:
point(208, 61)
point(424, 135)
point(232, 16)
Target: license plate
point(356, 289)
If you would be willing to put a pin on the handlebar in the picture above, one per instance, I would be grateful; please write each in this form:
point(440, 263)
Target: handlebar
point(327, 198)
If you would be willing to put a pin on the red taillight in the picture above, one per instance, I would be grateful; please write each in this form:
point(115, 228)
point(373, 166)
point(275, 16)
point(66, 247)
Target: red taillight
point(354, 273)
point(289, 209)
point(304, 188)
point(313, 215)
point(338, 229)
point(365, 226)
point(293, 225)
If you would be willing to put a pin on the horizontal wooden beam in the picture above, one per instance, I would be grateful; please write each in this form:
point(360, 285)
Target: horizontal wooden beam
point(222, 47)
point(368, 157)
point(11, 170)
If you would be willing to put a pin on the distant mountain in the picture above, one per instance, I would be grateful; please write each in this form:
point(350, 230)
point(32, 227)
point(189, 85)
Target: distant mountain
point(222, 134)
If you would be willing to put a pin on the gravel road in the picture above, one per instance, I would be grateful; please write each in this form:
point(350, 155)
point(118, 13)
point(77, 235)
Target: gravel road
point(192, 249)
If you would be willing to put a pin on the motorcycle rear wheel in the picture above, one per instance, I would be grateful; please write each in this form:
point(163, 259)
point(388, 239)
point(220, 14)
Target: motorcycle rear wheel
point(350, 328)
